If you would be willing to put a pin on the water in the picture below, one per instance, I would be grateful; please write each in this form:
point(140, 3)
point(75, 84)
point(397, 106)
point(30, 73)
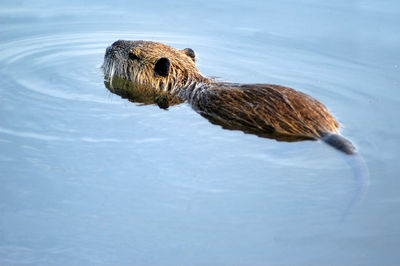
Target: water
point(90, 178)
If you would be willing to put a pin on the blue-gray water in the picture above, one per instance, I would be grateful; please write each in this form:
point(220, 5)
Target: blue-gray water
point(88, 178)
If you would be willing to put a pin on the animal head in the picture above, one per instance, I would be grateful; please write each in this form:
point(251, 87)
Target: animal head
point(151, 64)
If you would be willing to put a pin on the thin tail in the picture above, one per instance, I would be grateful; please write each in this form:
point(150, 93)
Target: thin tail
point(356, 163)
point(339, 142)
point(361, 180)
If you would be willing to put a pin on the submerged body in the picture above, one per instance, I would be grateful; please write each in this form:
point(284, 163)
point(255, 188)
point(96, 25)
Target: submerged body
point(263, 109)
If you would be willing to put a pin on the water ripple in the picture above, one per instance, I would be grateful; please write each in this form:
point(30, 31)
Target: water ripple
point(46, 137)
point(53, 65)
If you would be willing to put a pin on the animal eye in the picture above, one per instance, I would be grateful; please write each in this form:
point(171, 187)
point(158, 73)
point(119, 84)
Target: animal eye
point(133, 56)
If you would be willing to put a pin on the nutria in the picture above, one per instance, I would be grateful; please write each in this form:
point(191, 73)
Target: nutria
point(165, 75)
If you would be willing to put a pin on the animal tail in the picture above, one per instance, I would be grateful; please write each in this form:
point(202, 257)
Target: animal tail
point(356, 163)
point(361, 180)
point(339, 142)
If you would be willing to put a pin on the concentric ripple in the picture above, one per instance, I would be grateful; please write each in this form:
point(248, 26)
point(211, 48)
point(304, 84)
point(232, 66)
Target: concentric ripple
point(54, 65)
point(44, 77)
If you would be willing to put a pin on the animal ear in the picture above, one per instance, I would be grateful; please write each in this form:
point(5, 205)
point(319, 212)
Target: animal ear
point(189, 52)
point(162, 66)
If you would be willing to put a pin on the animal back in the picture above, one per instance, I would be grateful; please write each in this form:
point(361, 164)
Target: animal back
point(268, 108)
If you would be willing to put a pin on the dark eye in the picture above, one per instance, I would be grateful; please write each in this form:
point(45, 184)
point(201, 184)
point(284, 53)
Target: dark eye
point(133, 56)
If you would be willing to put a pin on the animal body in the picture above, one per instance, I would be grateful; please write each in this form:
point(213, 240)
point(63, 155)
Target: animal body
point(169, 76)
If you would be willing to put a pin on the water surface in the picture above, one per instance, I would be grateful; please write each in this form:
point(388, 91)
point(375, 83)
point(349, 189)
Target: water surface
point(90, 178)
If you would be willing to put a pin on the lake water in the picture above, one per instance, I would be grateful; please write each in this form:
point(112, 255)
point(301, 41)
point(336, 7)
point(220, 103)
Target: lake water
point(89, 178)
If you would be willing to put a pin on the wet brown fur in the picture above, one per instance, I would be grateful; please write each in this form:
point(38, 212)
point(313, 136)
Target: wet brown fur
point(255, 108)
point(267, 108)
point(141, 71)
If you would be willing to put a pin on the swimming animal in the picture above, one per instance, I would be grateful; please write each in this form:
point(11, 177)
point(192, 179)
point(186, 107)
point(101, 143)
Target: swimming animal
point(152, 72)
